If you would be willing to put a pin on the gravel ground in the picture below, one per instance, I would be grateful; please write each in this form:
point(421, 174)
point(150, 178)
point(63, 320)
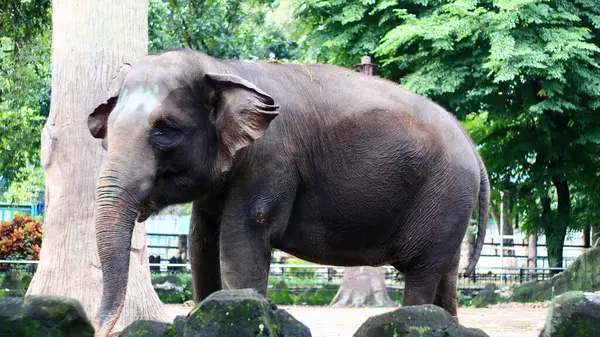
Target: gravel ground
point(506, 320)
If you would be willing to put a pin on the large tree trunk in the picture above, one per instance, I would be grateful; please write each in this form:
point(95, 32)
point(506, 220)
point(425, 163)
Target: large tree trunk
point(91, 40)
point(556, 231)
point(532, 253)
point(587, 236)
point(363, 287)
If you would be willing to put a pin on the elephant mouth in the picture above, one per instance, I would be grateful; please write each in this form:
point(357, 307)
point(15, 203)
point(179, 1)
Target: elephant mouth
point(146, 209)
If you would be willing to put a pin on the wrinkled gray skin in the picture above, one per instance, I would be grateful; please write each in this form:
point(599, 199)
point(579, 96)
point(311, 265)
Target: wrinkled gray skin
point(327, 164)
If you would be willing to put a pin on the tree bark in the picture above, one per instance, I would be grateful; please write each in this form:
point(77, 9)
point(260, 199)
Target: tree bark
point(90, 42)
point(556, 230)
point(532, 253)
point(363, 287)
point(587, 236)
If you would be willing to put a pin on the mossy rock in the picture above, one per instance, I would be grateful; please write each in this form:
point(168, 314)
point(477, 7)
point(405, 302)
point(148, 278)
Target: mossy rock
point(573, 314)
point(280, 294)
point(414, 321)
point(144, 328)
point(489, 295)
point(179, 325)
point(173, 279)
point(43, 315)
point(170, 289)
point(241, 313)
point(582, 275)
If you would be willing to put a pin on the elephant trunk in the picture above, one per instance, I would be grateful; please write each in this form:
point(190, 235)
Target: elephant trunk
point(117, 205)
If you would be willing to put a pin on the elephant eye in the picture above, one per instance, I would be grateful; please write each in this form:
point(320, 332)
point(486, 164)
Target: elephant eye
point(166, 137)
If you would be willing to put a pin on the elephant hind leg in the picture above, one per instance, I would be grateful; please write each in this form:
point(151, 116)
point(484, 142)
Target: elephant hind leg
point(445, 295)
point(420, 287)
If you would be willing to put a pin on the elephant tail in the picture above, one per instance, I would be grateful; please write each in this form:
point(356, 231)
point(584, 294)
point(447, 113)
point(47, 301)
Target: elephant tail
point(482, 223)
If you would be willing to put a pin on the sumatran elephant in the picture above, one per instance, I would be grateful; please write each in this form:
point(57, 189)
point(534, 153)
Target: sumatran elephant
point(324, 163)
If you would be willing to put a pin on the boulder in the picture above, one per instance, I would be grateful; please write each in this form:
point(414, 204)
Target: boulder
point(43, 315)
point(169, 289)
point(241, 313)
point(174, 280)
point(489, 295)
point(582, 275)
point(573, 313)
point(415, 321)
point(179, 325)
point(148, 329)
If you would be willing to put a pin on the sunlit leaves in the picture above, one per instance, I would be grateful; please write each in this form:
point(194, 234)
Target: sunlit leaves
point(232, 29)
point(24, 86)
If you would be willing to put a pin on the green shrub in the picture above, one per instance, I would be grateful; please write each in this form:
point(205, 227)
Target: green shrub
point(280, 294)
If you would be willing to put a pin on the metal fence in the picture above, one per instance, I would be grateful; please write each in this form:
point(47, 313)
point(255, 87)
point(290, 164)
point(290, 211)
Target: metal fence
point(300, 276)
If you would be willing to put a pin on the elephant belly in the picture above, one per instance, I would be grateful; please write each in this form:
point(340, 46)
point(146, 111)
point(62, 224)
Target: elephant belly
point(353, 231)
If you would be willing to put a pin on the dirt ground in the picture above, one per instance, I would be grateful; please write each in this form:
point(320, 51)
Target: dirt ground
point(499, 321)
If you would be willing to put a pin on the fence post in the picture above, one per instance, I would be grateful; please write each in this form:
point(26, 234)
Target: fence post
point(366, 67)
point(521, 272)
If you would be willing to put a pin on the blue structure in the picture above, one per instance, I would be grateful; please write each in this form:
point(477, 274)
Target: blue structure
point(7, 210)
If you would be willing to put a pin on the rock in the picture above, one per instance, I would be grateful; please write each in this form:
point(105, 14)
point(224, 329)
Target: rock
point(573, 313)
point(12, 285)
point(280, 294)
point(179, 325)
point(43, 315)
point(582, 275)
point(148, 329)
point(170, 279)
point(169, 289)
point(414, 321)
point(489, 295)
point(241, 313)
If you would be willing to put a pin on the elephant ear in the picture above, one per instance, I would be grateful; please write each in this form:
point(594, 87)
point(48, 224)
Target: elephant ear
point(98, 119)
point(242, 114)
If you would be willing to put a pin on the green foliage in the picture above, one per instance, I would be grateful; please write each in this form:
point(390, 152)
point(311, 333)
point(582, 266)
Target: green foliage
point(280, 294)
point(232, 29)
point(523, 75)
point(24, 85)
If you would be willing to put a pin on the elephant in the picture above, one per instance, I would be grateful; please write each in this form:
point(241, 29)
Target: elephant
point(322, 162)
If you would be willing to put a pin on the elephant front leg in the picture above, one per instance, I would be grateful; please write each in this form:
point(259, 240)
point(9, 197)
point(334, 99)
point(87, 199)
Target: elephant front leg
point(245, 258)
point(204, 254)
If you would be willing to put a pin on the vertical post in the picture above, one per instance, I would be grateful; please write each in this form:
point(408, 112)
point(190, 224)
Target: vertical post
point(501, 227)
point(366, 67)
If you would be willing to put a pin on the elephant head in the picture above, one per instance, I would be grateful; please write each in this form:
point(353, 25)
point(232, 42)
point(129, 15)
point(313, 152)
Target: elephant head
point(172, 124)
